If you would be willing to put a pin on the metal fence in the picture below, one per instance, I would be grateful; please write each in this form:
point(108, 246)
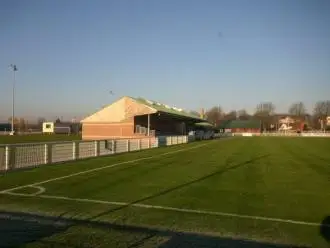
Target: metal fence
point(24, 155)
point(16, 156)
point(295, 134)
point(288, 134)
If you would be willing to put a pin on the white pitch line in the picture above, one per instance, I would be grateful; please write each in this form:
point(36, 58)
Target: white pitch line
point(40, 190)
point(173, 209)
point(100, 168)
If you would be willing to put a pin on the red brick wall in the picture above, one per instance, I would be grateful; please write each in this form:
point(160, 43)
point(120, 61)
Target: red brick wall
point(127, 129)
point(110, 130)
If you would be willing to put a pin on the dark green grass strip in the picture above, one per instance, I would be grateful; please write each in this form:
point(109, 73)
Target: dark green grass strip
point(260, 232)
point(32, 138)
point(73, 232)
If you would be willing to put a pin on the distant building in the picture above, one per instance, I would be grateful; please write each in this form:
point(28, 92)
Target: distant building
point(286, 122)
point(240, 126)
point(5, 127)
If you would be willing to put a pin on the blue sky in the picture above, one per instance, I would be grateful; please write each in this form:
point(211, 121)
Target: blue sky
point(188, 54)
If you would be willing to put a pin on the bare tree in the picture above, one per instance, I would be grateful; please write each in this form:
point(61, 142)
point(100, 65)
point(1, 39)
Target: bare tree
point(19, 123)
point(16, 121)
point(243, 114)
point(232, 115)
point(41, 120)
point(22, 124)
point(265, 109)
point(265, 113)
point(321, 112)
point(214, 115)
point(297, 109)
point(322, 108)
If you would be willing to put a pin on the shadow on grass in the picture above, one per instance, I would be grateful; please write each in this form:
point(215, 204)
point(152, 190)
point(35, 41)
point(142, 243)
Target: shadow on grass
point(18, 229)
point(216, 173)
point(325, 229)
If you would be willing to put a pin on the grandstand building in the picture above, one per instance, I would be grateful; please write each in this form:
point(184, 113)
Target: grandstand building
point(131, 117)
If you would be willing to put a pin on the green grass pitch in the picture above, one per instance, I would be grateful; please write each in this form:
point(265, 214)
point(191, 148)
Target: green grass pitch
point(33, 138)
point(234, 192)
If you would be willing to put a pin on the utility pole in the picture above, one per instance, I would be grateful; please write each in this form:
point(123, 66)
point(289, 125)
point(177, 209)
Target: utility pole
point(14, 68)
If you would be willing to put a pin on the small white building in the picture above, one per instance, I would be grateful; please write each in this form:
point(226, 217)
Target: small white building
point(48, 127)
point(56, 128)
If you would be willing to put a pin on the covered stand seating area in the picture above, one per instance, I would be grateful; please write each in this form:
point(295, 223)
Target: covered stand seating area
point(164, 120)
point(164, 124)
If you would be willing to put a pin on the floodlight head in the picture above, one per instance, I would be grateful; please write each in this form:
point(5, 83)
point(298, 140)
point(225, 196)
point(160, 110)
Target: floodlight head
point(14, 67)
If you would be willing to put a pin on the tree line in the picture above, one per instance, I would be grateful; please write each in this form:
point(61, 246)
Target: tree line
point(266, 113)
point(21, 124)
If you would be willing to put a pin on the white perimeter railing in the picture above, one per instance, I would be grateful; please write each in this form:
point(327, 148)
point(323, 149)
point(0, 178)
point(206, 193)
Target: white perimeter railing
point(23, 155)
point(288, 134)
point(17, 156)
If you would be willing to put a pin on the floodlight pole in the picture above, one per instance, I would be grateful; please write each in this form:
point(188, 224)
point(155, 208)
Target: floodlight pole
point(14, 68)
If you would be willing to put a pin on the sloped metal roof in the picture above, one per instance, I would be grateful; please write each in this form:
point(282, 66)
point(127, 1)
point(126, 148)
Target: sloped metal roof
point(166, 109)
